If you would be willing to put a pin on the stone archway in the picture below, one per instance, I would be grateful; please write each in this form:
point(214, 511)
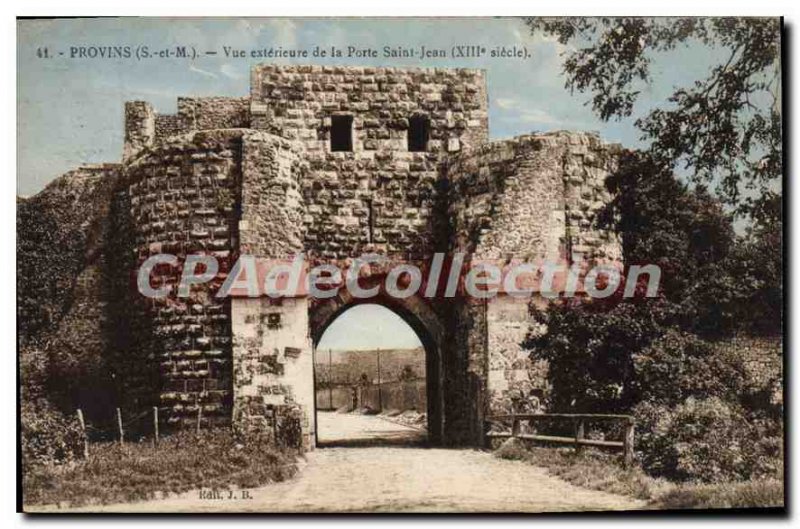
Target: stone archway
point(422, 319)
point(234, 177)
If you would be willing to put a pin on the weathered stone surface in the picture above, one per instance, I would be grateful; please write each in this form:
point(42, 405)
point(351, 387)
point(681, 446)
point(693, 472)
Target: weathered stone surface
point(263, 372)
point(256, 175)
point(181, 194)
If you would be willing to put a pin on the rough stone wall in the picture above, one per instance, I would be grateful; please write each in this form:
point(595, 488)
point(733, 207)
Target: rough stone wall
point(66, 219)
point(272, 208)
point(530, 198)
point(359, 203)
point(507, 199)
point(464, 369)
point(511, 373)
point(587, 163)
point(140, 128)
point(144, 127)
point(256, 175)
point(168, 125)
point(272, 352)
point(182, 201)
point(379, 197)
point(273, 368)
point(206, 113)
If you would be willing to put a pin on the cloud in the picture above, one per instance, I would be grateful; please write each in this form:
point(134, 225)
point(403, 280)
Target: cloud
point(248, 28)
point(537, 115)
point(231, 72)
point(195, 69)
point(524, 113)
point(505, 102)
point(282, 31)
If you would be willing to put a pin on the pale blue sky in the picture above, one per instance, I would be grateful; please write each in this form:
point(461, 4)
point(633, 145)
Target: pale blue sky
point(70, 111)
point(368, 327)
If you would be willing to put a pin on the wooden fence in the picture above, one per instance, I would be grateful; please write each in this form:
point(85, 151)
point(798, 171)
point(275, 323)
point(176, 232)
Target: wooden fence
point(578, 421)
point(120, 430)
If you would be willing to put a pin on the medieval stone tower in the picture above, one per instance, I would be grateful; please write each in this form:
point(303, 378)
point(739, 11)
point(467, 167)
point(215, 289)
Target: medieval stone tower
point(333, 162)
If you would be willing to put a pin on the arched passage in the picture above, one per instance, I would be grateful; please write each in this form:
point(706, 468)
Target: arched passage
point(424, 323)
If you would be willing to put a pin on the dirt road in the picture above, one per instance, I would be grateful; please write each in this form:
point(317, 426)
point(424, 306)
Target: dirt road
point(398, 479)
point(345, 429)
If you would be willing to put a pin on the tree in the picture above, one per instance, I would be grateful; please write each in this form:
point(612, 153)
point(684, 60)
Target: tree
point(711, 282)
point(758, 265)
point(687, 233)
point(590, 348)
point(725, 128)
point(657, 358)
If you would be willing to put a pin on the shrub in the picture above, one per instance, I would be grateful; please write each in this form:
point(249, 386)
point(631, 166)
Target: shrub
point(703, 439)
point(696, 401)
point(679, 365)
point(764, 456)
point(48, 437)
point(589, 348)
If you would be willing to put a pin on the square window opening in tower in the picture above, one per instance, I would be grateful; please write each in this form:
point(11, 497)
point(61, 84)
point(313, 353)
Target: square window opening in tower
point(341, 133)
point(418, 132)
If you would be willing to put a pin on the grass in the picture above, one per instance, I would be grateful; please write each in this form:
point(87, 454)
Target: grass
point(589, 469)
point(743, 495)
point(137, 471)
point(597, 470)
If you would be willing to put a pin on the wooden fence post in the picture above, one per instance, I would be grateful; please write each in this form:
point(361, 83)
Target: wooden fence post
point(578, 439)
point(83, 433)
point(628, 444)
point(579, 433)
point(155, 426)
point(119, 424)
point(515, 426)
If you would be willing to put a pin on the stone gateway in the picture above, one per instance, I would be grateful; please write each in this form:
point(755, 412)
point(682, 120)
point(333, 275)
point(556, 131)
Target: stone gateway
point(334, 162)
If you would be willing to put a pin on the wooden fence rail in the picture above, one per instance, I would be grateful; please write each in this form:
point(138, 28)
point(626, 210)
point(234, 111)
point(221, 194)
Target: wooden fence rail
point(578, 420)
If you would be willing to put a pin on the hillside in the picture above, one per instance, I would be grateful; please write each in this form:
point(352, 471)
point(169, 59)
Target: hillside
point(347, 367)
point(61, 245)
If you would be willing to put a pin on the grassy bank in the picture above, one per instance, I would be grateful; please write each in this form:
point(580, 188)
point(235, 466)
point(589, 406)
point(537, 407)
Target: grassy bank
point(138, 471)
point(764, 493)
point(601, 471)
